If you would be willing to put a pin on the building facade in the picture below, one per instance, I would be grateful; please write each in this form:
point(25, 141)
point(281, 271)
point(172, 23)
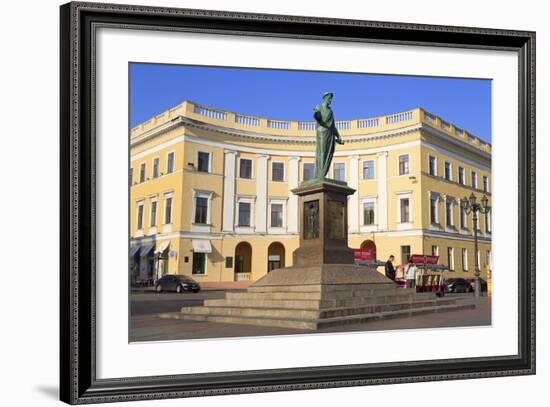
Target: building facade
point(210, 191)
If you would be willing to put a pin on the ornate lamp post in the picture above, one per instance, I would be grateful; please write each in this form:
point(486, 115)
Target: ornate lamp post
point(470, 205)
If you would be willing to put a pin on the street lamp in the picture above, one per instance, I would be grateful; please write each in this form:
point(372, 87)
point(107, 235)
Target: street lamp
point(470, 205)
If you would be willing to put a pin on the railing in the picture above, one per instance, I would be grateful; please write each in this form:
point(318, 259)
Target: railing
point(399, 117)
point(209, 112)
point(306, 125)
point(430, 118)
point(247, 120)
point(147, 124)
point(172, 112)
point(370, 124)
point(343, 125)
point(242, 276)
point(278, 124)
point(367, 123)
point(445, 125)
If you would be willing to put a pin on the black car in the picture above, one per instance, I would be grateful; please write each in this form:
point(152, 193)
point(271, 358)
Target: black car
point(178, 283)
point(458, 285)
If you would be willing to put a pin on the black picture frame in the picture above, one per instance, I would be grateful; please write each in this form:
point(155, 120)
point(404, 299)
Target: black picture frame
point(78, 382)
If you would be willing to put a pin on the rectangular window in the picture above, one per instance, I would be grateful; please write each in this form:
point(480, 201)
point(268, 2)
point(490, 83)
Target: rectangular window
point(449, 212)
point(201, 210)
point(435, 250)
point(244, 214)
point(368, 169)
point(405, 254)
point(461, 178)
point(156, 163)
point(488, 259)
point(465, 259)
point(432, 165)
point(199, 263)
point(276, 215)
point(153, 220)
point(142, 169)
point(277, 171)
point(131, 176)
point(485, 183)
point(168, 210)
point(340, 171)
point(403, 164)
point(448, 171)
point(204, 162)
point(404, 206)
point(451, 258)
point(488, 222)
point(245, 168)
point(140, 217)
point(170, 163)
point(368, 213)
point(433, 209)
point(474, 179)
point(462, 218)
point(309, 168)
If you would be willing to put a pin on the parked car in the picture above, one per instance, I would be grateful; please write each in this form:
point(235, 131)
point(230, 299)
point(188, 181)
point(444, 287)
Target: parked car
point(472, 282)
point(177, 283)
point(458, 285)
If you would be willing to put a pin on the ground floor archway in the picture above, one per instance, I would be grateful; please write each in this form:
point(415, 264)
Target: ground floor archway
point(275, 256)
point(370, 246)
point(243, 260)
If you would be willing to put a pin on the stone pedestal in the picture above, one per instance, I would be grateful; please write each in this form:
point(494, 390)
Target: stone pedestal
point(323, 288)
point(323, 223)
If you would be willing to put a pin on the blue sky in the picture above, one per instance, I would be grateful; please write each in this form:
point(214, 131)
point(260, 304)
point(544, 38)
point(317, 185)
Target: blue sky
point(291, 95)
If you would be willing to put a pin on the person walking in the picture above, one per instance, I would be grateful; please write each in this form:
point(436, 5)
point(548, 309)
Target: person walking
point(389, 269)
point(410, 274)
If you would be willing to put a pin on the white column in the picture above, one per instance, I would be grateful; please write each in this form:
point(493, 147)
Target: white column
point(293, 182)
point(353, 200)
point(229, 191)
point(382, 191)
point(261, 193)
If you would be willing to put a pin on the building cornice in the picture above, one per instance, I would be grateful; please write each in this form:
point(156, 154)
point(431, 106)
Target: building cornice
point(443, 136)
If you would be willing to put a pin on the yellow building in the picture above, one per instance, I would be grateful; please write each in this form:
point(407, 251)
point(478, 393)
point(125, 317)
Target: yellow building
point(210, 191)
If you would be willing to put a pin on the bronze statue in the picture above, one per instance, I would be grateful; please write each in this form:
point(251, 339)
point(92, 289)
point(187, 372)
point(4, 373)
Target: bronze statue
point(327, 135)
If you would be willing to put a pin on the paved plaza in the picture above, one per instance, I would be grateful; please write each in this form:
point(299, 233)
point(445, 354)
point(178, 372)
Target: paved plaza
point(146, 325)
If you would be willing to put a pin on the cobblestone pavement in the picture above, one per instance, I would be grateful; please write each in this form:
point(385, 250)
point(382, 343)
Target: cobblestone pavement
point(148, 327)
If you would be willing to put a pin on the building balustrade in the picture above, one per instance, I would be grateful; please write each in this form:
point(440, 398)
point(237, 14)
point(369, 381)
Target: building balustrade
point(280, 127)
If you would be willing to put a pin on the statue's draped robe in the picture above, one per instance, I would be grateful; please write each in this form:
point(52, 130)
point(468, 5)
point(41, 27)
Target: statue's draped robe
point(326, 135)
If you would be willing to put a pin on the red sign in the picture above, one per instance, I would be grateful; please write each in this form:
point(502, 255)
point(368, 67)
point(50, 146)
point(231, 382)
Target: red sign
point(367, 255)
point(419, 259)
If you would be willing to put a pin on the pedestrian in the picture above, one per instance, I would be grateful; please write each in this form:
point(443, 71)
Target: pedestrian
point(441, 292)
point(410, 274)
point(389, 269)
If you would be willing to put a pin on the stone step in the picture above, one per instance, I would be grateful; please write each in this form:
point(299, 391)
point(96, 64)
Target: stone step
point(261, 303)
point(308, 313)
point(364, 318)
point(256, 301)
point(318, 295)
point(328, 288)
point(273, 295)
point(272, 322)
point(253, 312)
point(315, 324)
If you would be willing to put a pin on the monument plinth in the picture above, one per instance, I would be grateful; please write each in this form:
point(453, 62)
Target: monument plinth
point(323, 225)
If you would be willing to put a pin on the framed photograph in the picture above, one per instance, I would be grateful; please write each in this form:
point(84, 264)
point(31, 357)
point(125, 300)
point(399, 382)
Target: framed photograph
point(255, 203)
